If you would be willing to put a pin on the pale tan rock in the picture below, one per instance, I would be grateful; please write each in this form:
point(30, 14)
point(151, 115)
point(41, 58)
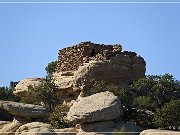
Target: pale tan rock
point(89, 133)
point(159, 132)
point(10, 128)
point(67, 131)
point(3, 123)
point(98, 107)
point(24, 110)
point(21, 88)
point(35, 128)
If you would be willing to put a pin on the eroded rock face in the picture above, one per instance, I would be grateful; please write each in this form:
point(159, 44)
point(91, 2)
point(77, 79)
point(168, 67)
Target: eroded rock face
point(102, 106)
point(24, 110)
point(21, 88)
point(3, 123)
point(81, 65)
point(159, 132)
point(35, 128)
point(10, 128)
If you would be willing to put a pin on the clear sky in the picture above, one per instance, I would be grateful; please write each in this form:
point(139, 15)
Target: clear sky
point(32, 34)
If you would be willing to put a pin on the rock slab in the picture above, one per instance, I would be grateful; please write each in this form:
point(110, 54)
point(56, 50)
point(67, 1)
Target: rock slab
point(102, 106)
point(35, 128)
point(10, 128)
point(21, 88)
point(24, 110)
point(159, 132)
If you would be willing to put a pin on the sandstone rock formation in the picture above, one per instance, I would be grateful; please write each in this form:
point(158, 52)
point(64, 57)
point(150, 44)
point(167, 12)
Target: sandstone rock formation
point(21, 88)
point(81, 65)
point(159, 132)
point(102, 106)
point(24, 110)
point(2, 123)
point(65, 131)
point(35, 128)
point(10, 128)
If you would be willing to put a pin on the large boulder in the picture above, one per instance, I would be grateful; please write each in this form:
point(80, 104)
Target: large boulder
point(98, 107)
point(21, 88)
point(159, 132)
point(10, 128)
point(35, 128)
point(24, 110)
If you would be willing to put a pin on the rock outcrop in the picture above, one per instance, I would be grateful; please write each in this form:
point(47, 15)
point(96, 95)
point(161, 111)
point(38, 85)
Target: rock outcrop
point(10, 128)
point(35, 128)
point(159, 132)
point(81, 65)
point(24, 110)
point(21, 88)
point(78, 68)
point(102, 106)
point(3, 123)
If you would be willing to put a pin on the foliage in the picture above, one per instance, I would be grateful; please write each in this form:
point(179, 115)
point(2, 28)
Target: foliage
point(6, 93)
point(143, 99)
point(46, 92)
point(162, 89)
point(144, 102)
point(56, 118)
point(168, 115)
point(51, 68)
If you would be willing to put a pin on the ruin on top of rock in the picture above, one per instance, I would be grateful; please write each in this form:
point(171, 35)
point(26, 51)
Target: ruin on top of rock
point(81, 65)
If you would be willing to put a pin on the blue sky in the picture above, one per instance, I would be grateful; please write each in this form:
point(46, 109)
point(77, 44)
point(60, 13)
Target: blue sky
point(32, 34)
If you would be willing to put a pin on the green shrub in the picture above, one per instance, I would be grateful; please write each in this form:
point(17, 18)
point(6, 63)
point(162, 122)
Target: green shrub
point(168, 115)
point(51, 68)
point(46, 92)
point(144, 102)
point(6, 93)
point(56, 118)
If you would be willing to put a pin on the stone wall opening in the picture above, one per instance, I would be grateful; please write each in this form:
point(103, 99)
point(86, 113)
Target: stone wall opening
point(92, 53)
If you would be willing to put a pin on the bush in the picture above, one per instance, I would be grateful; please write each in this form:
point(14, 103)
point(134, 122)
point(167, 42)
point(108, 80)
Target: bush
point(51, 68)
point(144, 102)
point(142, 99)
point(46, 92)
point(56, 118)
point(161, 89)
point(168, 115)
point(6, 93)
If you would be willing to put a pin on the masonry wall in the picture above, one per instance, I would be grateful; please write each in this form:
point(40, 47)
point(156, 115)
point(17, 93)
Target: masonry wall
point(70, 58)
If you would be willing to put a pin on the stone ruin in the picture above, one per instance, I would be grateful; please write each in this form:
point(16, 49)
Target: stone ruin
point(81, 65)
point(71, 58)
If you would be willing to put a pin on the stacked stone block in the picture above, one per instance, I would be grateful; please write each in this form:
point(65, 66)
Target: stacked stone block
point(71, 58)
